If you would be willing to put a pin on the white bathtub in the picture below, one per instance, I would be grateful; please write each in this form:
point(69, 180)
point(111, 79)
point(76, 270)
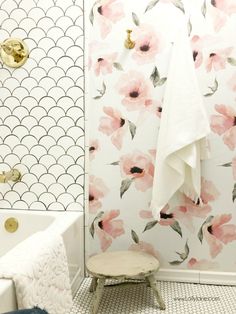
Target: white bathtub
point(68, 224)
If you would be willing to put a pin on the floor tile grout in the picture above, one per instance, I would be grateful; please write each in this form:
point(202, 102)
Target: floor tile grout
point(131, 298)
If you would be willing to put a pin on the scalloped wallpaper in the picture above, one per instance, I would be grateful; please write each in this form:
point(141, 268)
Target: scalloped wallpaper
point(126, 89)
point(42, 106)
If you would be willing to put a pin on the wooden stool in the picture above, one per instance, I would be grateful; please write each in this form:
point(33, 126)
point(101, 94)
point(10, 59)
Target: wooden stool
point(122, 265)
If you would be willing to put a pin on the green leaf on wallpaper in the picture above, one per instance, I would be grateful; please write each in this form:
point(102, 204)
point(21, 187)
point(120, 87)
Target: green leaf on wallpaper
point(176, 227)
point(135, 19)
point(216, 85)
point(125, 184)
point(213, 88)
point(134, 236)
point(185, 254)
point(155, 76)
point(91, 16)
point(156, 79)
point(186, 249)
point(190, 27)
point(234, 193)
point(228, 164)
point(115, 163)
point(150, 225)
point(161, 81)
point(204, 8)
point(104, 87)
point(208, 94)
point(92, 229)
point(118, 66)
point(151, 5)
point(99, 215)
point(101, 91)
point(179, 5)
point(175, 262)
point(200, 233)
point(231, 61)
point(132, 129)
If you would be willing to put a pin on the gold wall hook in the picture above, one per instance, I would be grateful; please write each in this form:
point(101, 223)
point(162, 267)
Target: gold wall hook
point(12, 175)
point(129, 43)
point(14, 52)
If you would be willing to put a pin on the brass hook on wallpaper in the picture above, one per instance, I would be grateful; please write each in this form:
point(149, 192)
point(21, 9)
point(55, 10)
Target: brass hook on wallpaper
point(14, 52)
point(129, 43)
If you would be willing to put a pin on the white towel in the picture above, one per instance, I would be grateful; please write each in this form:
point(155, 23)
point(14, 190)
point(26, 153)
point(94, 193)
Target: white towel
point(38, 266)
point(184, 125)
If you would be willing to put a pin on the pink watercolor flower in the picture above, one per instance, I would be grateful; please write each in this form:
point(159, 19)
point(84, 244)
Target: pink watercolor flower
point(232, 82)
point(138, 166)
point(209, 192)
point(93, 148)
point(134, 89)
point(113, 124)
point(146, 214)
point(185, 214)
point(218, 59)
point(166, 219)
point(153, 106)
point(97, 190)
point(106, 13)
point(225, 124)
point(145, 247)
point(104, 64)
point(202, 264)
point(189, 209)
point(217, 232)
point(234, 167)
point(220, 10)
point(196, 43)
point(226, 6)
point(109, 228)
point(148, 43)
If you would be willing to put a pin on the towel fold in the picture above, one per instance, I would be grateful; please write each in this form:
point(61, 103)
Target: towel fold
point(38, 266)
point(184, 126)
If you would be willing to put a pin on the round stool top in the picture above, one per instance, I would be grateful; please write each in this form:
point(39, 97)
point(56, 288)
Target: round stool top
point(122, 264)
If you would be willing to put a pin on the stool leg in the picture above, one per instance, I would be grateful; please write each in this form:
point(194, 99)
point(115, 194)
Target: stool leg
point(93, 285)
point(147, 282)
point(97, 295)
point(153, 285)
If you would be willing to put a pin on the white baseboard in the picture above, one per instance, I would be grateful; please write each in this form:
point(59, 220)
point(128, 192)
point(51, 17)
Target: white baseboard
point(196, 276)
point(218, 278)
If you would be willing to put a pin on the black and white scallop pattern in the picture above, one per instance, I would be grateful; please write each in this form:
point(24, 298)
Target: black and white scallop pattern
point(42, 106)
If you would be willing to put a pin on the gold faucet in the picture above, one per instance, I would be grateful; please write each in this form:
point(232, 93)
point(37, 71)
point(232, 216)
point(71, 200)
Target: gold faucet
point(12, 175)
point(129, 43)
point(14, 52)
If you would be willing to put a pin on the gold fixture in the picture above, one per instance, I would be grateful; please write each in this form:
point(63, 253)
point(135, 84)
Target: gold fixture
point(14, 52)
point(12, 175)
point(11, 224)
point(129, 43)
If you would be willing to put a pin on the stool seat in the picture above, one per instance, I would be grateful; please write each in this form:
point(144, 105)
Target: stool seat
point(122, 265)
point(128, 264)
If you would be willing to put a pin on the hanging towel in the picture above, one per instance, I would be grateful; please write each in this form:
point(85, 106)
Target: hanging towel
point(184, 125)
point(38, 266)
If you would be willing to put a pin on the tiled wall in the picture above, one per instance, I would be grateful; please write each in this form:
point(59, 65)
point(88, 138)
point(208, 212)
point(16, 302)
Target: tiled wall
point(42, 106)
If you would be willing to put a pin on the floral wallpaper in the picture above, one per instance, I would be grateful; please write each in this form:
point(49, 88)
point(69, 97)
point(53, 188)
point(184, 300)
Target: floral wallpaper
point(126, 89)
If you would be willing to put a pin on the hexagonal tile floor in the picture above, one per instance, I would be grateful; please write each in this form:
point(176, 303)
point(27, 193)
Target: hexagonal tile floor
point(137, 298)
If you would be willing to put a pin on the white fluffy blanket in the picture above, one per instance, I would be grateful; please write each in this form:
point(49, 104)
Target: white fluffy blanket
point(38, 266)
